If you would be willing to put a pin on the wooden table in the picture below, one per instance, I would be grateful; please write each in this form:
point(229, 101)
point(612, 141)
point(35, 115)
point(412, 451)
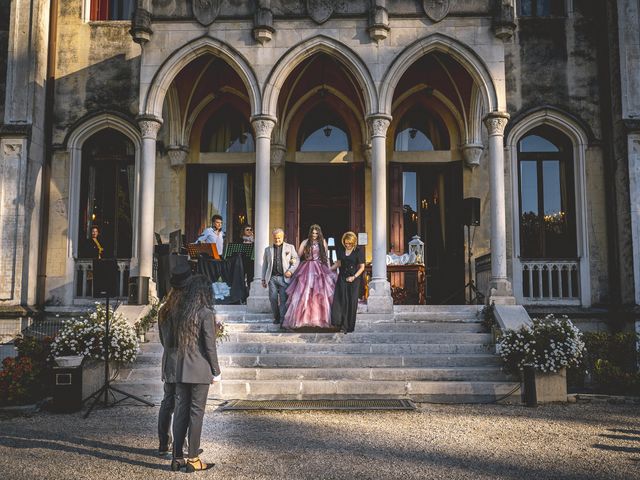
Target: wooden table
point(419, 270)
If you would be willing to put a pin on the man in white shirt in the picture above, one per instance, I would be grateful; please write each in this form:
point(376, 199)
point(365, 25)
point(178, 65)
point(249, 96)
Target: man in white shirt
point(214, 234)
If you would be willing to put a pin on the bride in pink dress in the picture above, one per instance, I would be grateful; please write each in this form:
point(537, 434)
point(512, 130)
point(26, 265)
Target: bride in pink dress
point(310, 292)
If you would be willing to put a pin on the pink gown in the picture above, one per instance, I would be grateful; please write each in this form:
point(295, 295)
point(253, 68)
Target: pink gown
point(310, 294)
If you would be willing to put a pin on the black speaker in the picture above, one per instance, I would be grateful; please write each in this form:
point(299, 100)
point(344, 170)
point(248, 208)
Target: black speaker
point(471, 214)
point(105, 278)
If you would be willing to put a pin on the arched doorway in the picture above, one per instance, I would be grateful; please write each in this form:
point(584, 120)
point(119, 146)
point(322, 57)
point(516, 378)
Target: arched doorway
point(430, 103)
point(322, 130)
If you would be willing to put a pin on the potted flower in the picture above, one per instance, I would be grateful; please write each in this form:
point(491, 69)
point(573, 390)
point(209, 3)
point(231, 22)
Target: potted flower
point(143, 325)
point(550, 345)
point(85, 337)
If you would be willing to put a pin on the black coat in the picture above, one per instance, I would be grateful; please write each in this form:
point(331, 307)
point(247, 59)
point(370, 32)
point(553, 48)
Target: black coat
point(197, 365)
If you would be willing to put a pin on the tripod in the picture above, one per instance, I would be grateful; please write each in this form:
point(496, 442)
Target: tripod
point(106, 389)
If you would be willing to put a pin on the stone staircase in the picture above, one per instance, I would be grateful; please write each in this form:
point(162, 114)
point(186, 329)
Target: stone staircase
point(426, 353)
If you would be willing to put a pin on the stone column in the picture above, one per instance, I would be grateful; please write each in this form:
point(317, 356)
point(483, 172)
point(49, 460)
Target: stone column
point(633, 141)
point(149, 127)
point(379, 300)
point(500, 292)
point(258, 300)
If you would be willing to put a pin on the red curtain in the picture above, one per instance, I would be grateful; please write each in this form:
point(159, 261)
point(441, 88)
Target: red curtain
point(99, 10)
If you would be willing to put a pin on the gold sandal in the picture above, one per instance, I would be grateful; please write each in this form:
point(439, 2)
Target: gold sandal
point(196, 465)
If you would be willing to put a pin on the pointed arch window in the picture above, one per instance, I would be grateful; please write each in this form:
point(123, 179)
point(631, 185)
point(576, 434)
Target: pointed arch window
point(228, 131)
point(546, 194)
point(419, 131)
point(323, 130)
point(107, 194)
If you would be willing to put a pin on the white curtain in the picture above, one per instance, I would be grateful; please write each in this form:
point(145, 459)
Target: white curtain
point(217, 198)
point(131, 172)
point(90, 202)
point(248, 196)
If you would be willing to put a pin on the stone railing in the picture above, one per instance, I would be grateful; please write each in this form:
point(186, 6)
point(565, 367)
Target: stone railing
point(551, 281)
point(84, 278)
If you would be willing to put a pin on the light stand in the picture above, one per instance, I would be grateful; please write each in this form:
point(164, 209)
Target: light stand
point(104, 283)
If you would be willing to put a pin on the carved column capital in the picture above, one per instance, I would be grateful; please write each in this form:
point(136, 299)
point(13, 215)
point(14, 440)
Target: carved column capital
point(177, 156)
point(263, 126)
point(472, 153)
point(149, 126)
point(379, 125)
point(496, 122)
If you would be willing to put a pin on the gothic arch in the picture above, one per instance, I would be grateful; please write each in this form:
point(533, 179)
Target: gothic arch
point(572, 128)
point(152, 100)
point(447, 45)
point(294, 56)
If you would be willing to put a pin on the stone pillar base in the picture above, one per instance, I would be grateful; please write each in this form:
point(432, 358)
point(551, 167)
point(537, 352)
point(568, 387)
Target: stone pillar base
point(501, 292)
point(379, 300)
point(258, 301)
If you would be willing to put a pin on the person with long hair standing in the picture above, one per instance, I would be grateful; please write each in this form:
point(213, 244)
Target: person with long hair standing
point(310, 292)
point(345, 301)
point(190, 337)
point(180, 275)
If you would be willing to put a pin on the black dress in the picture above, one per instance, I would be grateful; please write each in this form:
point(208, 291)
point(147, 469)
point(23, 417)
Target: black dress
point(345, 299)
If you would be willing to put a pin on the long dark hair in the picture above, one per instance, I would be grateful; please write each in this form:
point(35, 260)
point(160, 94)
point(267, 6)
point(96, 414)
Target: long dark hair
point(171, 305)
point(182, 307)
point(320, 240)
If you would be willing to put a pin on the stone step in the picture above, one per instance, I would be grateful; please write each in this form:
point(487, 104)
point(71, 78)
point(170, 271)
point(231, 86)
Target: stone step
point(480, 374)
point(391, 338)
point(352, 348)
point(386, 327)
point(440, 391)
point(339, 361)
point(427, 316)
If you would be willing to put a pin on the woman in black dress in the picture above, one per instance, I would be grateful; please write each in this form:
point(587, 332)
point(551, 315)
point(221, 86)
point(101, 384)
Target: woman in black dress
point(345, 300)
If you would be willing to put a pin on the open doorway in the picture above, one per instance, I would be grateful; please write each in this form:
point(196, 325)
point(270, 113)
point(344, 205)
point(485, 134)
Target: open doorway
point(427, 201)
point(329, 195)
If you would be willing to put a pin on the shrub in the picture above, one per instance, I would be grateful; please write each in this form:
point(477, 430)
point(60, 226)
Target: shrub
point(85, 336)
point(143, 325)
point(27, 377)
point(549, 344)
point(610, 363)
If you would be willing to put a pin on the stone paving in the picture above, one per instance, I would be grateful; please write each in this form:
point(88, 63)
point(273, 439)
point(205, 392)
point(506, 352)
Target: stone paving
point(436, 441)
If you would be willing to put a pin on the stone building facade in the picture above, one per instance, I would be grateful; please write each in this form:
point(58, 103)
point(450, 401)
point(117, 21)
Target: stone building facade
point(375, 116)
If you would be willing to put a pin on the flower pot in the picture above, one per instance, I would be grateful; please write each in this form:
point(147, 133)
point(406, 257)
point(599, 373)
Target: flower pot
point(142, 338)
point(551, 387)
point(69, 361)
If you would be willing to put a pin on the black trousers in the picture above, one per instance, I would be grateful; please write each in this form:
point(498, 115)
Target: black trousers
point(191, 400)
point(166, 411)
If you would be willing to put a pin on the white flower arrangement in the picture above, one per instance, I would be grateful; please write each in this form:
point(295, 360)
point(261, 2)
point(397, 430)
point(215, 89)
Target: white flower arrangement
point(85, 336)
point(549, 345)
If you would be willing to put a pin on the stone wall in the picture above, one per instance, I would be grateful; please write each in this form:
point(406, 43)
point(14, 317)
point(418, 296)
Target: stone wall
point(97, 69)
point(5, 7)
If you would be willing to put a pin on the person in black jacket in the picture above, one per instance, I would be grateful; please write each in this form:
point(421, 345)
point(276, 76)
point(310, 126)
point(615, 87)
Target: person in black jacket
point(180, 275)
point(190, 360)
point(93, 246)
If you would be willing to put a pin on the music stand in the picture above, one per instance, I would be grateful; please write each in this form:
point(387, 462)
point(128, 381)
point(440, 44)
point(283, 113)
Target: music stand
point(195, 249)
point(105, 279)
point(244, 249)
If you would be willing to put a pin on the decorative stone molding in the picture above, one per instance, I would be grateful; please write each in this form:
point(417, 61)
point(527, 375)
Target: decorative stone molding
point(141, 26)
point(206, 11)
point(149, 126)
point(366, 153)
point(379, 125)
point(472, 153)
point(263, 22)
point(378, 21)
point(177, 156)
point(10, 149)
point(504, 19)
point(263, 127)
point(436, 10)
point(278, 152)
point(320, 10)
point(496, 122)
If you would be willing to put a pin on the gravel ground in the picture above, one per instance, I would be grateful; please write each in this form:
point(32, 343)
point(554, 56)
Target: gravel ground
point(436, 441)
